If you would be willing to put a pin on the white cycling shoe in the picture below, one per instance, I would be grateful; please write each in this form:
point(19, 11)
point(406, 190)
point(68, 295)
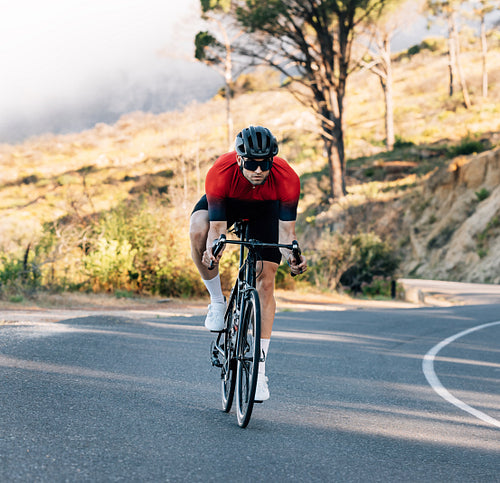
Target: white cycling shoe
point(215, 316)
point(261, 391)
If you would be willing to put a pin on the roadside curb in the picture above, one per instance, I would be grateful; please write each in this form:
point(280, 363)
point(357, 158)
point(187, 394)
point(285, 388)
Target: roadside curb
point(437, 293)
point(419, 296)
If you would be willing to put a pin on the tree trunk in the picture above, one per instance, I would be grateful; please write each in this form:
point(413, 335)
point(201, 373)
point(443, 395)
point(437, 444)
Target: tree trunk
point(229, 117)
point(329, 147)
point(336, 171)
point(333, 140)
point(337, 165)
point(388, 95)
point(329, 103)
point(451, 57)
point(484, 52)
point(228, 78)
point(389, 117)
point(461, 75)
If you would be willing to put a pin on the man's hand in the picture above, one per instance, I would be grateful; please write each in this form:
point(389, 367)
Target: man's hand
point(297, 268)
point(208, 258)
point(217, 228)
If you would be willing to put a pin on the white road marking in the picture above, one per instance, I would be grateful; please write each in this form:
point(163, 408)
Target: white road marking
point(428, 368)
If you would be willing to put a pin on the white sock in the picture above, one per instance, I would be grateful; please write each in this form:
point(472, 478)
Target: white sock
point(264, 347)
point(214, 289)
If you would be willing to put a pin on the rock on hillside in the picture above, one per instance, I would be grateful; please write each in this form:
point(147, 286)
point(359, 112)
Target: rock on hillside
point(455, 233)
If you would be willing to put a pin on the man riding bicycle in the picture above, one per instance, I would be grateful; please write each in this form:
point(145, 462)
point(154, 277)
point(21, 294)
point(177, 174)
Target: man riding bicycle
point(251, 183)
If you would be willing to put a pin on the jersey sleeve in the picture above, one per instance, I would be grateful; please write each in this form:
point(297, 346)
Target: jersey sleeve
point(289, 196)
point(216, 195)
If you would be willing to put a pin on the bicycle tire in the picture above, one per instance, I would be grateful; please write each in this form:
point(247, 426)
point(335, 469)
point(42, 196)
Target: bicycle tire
point(228, 373)
point(248, 357)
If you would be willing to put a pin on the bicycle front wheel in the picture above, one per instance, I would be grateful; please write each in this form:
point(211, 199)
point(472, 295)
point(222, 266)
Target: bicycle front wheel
point(248, 358)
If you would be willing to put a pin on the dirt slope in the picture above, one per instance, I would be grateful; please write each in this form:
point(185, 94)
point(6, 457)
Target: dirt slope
point(456, 233)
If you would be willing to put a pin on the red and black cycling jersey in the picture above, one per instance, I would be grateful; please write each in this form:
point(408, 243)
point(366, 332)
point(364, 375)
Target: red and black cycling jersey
point(225, 182)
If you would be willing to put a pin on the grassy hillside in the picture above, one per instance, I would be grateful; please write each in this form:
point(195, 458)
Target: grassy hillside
point(107, 209)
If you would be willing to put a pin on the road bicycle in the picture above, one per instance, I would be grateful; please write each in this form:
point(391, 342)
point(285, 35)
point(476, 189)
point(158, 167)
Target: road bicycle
point(236, 350)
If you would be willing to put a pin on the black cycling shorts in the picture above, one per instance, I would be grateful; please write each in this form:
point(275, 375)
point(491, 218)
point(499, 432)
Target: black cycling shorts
point(263, 219)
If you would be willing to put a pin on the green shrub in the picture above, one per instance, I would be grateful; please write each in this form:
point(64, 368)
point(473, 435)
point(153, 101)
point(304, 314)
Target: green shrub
point(136, 248)
point(19, 274)
point(482, 194)
point(483, 238)
point(402, 143)
point(110, 265)
point(351, 261)
point(328, 261)
point(413, 50)
point(31, 179)
point(468, 146)
point(369, 257)
point(16, 299)
point(166, 173)
point(432, 44)
point(124, 294)
point(379, 287)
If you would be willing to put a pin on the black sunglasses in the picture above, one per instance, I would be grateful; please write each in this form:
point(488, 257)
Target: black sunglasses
point(252, 165)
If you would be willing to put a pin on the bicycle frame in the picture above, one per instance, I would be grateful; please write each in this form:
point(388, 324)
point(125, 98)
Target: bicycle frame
point(246, 279)
point(232, 344)
point(247, 273)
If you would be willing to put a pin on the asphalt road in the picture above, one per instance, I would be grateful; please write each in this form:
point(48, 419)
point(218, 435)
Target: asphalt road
point(116, 399)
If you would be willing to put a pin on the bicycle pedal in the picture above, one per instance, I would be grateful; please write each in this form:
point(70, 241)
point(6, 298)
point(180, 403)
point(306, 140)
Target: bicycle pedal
point(214, 356)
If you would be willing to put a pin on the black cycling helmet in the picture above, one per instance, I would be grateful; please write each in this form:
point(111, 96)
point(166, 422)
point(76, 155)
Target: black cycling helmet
point(256, 142)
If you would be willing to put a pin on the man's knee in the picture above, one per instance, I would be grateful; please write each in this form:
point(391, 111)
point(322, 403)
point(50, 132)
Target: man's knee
point(198, 229)
point(267, 276)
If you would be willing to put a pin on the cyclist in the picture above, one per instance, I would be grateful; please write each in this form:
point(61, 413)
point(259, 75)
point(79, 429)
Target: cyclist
point(252, 183)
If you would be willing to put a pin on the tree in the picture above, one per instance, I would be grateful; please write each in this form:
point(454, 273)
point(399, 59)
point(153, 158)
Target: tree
point(380, 31)
point(448, 9)
point(481, 8)
point(217, 52)
point(309, 42)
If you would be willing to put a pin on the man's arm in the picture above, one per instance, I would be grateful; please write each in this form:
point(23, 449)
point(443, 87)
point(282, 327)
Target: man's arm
point(287, 236)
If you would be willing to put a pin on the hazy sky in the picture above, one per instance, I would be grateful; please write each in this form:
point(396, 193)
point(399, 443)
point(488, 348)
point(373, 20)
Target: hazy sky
point(61, 46)
point(66, 63)
point(54, 53)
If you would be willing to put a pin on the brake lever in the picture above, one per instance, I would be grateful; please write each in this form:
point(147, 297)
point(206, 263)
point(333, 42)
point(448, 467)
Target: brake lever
point(296, 254)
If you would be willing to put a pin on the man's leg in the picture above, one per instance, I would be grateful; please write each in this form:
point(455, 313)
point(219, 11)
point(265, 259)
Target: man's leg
point(198, 231)
point(265, 288)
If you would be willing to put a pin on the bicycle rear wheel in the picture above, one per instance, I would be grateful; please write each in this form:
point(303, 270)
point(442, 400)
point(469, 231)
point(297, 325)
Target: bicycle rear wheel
point(228, 373)
point(248, 358)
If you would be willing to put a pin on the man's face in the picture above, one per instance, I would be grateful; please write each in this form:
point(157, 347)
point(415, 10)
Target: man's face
point(257, 176)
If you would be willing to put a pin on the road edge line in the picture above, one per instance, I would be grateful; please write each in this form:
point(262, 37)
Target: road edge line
point(435, 383)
